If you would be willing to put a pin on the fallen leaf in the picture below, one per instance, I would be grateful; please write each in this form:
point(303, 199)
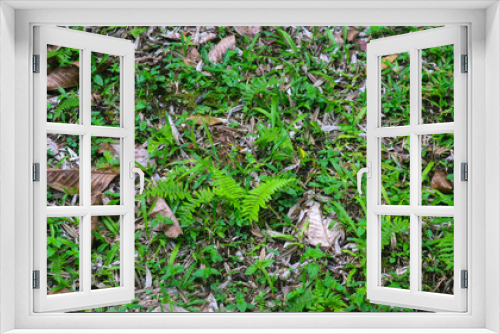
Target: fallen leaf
point(210, 120)
point(161, 207)
point(149, 278)
point(211, 306)
point(262, 255)
point(337, 35)
point(52, 146)
point(167, 308)
point(352, 33)
point(68, 180)
point(64, 77)
point(249, 31)
point(189, 62)
point(386, 61)
point(206, 37)
point(317, 232)
point(172, 35)
point(441, 183)
point(217, 53)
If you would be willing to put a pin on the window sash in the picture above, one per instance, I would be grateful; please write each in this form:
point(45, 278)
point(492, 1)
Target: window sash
point(413, 43)
point(86, 297)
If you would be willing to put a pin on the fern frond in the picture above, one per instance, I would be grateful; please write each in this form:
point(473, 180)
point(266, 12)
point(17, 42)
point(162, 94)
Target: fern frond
point(168, 189)
point(391, 226)
point(257, 197)
point(200, 197)
point(258, 86)
point(225, 186)
point(446, 250)
point(304, 302)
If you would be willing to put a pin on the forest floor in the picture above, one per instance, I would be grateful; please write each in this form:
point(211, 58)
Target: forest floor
point(250, 139)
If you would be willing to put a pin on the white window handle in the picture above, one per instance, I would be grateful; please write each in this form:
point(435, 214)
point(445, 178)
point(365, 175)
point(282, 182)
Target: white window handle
point(134, 170)
point(368, 171)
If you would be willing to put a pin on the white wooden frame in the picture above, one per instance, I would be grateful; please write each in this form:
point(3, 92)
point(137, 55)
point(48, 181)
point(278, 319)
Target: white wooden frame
point(483, 19)
point(413, 43)
point(87, 44)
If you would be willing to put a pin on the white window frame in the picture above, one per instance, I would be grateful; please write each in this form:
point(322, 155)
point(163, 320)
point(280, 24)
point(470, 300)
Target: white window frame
point(413, 44)
point(17, 19)
point(86, 44)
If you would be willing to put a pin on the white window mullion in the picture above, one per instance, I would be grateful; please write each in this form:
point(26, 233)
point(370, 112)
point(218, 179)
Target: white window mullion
point(415, 243)
point(373, 183)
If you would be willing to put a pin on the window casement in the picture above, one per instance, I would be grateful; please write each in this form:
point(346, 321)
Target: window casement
point(84, 131)
point(412, 208)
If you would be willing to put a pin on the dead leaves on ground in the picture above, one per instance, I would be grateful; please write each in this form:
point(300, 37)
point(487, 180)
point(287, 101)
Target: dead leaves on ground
point(217, 53)
point(64, 77)
point(161, 208)
point(317, 228)
point(248, 31)
point(441, 183)
point(205, 119)
point(387, 61)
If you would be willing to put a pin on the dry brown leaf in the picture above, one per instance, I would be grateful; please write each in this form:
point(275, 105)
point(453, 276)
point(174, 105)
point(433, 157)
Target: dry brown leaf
point(161, 207)
point(262, 255)
point(441, 183)
point(64, 77)
point(217, 53)
point(249, 31)
point(386, 61)
point(194, 54)
point(352, 33)
point(206, 37)
point(68, 180)
point(317, 232)
point(189, 62)
point(211, 305)
point(209, 120)
point(337, 35)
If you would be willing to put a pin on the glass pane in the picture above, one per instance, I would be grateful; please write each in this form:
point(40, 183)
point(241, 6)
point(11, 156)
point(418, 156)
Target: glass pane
point(395, 170)
point(395, 86)
point(437, 84)
point(437, 169)
point(395, 271)
point(105, 100)
point(105, 252)
point(63, 169)
point(437, 254)
point(63, 81)
point(63, 255)
point(105, 185)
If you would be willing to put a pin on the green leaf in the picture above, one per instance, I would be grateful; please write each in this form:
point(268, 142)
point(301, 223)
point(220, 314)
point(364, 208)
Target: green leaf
point(251, 269)
point(289, 40)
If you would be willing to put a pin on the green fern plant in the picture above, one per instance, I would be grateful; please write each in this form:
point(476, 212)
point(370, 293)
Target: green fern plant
point(391, 226)
point(201, 197)
point(257, 197)
point(258, 86)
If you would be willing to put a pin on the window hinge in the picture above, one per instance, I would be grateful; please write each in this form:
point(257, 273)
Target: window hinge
point(36, 63)
point(465, 64)
point(36, 279)
point(464, 172)
point(36, 172)
point(465, 279)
